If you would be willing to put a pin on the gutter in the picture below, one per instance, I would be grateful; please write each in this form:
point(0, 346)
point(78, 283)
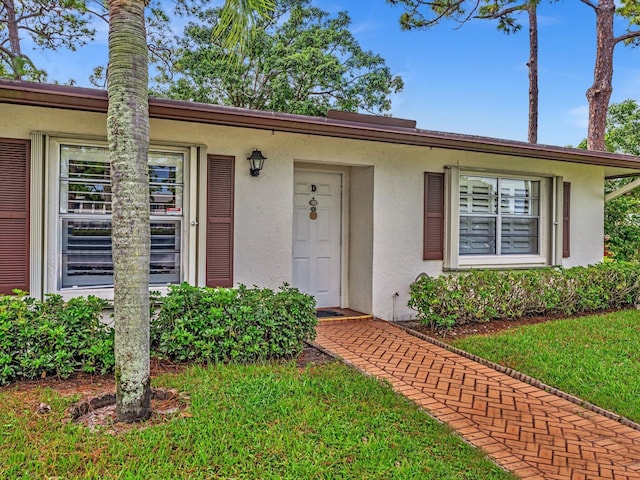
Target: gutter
point(91, 100)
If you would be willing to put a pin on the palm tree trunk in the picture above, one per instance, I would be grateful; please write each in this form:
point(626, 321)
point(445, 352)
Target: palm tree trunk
point(128, 135)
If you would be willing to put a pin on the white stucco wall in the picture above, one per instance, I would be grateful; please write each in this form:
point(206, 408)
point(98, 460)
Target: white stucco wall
point(386, 199)
point(398, 237)
point(360, 275)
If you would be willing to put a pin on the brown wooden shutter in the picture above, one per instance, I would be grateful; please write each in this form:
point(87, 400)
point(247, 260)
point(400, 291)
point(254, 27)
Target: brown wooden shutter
point(220, 183)
point(566, 224)
point(433, 216)
point(14, 215)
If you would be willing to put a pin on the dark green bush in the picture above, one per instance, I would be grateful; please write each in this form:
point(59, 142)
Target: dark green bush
point(483, 295)
point(223, 324)
point(622, 224)
point(52, 337)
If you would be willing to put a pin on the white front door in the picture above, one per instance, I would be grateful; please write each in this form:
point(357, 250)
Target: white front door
point(316, 236)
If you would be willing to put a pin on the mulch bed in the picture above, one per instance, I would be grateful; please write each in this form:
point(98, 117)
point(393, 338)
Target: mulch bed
point(312, 356)
point(86, 385)
point(486, 328)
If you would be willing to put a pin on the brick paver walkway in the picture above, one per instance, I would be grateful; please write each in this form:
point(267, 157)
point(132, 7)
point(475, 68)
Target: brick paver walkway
point(531, 432)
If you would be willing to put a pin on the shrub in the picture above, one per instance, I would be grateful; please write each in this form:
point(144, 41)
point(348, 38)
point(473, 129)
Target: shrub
point(622, 225)
point(222, 324)
point(52, 337)
point(482, 296)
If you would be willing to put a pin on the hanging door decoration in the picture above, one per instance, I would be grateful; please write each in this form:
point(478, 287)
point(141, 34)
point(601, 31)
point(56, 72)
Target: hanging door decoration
point(314, 204)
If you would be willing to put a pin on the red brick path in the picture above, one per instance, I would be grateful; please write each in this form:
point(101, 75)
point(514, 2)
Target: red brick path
point(531, 432)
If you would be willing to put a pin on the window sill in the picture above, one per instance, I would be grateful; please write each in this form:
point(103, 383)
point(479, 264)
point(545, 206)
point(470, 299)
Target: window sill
point(103, 293)
point(501, 263)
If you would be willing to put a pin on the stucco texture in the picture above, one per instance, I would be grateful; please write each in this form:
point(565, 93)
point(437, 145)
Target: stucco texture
point(383, 207)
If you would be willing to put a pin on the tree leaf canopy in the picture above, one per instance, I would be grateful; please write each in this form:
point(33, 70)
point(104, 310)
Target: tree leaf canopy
point(298, 60)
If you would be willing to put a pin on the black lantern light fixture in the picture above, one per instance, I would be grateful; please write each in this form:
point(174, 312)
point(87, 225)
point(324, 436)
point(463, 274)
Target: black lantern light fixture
point(256, 162)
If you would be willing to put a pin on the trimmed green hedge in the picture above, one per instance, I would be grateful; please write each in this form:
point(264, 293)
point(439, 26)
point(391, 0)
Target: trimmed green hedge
point(485, 295)
point(54, 337)
point(225, 324)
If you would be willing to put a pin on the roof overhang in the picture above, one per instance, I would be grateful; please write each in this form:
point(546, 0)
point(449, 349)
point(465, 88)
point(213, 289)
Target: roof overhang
point(91, 100)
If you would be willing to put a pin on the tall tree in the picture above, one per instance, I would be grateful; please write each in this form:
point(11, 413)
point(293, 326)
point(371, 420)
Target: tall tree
point(55, 24)
point(429, 13)
point(300, 60)
point(599, 94)
point(50, 25)
point(622, 213)
point(128, 136)
point(505, 11)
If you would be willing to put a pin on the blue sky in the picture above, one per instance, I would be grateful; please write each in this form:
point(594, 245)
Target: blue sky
point(470, 80)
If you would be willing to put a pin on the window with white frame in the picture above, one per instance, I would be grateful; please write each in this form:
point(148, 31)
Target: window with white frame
point(499, 216)
point(84, 216)
point(500, 220)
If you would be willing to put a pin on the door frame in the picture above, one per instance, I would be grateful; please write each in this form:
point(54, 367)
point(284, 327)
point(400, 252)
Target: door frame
point(344, 219)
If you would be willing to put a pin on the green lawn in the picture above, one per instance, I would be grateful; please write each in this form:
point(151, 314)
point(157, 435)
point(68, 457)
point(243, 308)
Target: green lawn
point(596, 358)
point(248, 422)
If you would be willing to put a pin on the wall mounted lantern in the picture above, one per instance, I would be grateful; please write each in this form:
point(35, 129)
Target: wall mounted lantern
point(256, 162)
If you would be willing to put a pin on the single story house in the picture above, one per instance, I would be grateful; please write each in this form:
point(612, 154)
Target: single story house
point(350, 208)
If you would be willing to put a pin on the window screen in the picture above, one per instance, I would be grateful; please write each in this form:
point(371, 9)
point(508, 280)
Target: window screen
point(85, 216)
point(499, 216)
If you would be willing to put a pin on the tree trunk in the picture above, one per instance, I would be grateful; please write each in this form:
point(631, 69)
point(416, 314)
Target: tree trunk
point(14, 39)
point(128, 134)
point(533, 72)
point(599, 93)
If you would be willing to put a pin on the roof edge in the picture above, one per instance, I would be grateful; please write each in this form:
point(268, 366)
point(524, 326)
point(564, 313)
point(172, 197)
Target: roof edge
point(86, 99)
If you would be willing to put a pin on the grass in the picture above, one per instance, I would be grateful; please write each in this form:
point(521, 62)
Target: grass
point(596, 358)
point(248, 422)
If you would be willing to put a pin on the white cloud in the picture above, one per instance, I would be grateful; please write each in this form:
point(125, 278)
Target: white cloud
point(521, 67)
point(363, 27)
point(626, 84)
point(579, 116)
point(547, 20)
